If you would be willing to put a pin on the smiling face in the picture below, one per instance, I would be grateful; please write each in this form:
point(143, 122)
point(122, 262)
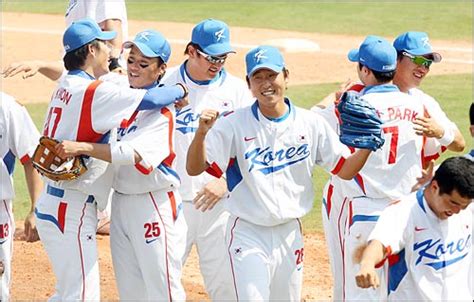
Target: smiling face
point(143, 71)
point(200, 68)
point(409, 75)
point(269, 87)
point(445, 205)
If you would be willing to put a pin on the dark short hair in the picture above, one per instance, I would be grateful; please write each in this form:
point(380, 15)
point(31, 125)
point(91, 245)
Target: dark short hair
point(196, 46)
point(471, 114)
point(381, 77)
point(456, 173)
point(77, 58)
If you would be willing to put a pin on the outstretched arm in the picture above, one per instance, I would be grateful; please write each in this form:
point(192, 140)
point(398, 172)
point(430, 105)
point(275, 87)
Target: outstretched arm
point(196, 161)
point(35, 186)
point(373, 254)
point(50, 69)
point(118, 153)
point(353, 164)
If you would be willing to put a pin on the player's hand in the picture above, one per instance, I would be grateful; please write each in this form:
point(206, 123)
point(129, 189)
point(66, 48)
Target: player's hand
point(67, 149)
point(29, 68)
point(367, 277)
point(427, 174)
point(31, 233)
point(210, 194)
point(207, 119)
point(181, 103)
point(428, 127)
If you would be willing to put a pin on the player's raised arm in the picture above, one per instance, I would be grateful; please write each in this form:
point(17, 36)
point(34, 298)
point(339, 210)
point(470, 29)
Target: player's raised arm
point(196, 160)
point(50, 69)
point(372, 254)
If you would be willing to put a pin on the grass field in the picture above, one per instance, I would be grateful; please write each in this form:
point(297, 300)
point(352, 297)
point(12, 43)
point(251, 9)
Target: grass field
point(443, 19)
point(454, 94)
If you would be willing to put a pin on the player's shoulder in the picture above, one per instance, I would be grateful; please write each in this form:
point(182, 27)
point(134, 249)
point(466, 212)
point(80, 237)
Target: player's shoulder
point(171, 76)
point(8, 103)
point(233, 80)
point(422, 96)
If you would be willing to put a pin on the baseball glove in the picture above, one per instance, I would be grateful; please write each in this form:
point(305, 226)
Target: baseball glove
point(360, 125)
point(52, 166)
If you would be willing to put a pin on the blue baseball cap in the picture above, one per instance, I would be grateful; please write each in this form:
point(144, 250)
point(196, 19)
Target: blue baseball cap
point(151, 44)
point(376, 53)
point(264, 57)
point(84, 31)
point(416, 43)
point(213, 36)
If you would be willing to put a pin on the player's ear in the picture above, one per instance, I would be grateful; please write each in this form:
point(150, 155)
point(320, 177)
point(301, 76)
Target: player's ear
point(471, 128)
point(248, 81)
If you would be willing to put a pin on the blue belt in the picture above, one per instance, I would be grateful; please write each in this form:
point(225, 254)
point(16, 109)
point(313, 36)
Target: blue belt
point(58, 192)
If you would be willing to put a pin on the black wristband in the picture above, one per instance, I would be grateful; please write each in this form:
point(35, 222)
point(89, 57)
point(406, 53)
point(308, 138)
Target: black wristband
point(113, 64)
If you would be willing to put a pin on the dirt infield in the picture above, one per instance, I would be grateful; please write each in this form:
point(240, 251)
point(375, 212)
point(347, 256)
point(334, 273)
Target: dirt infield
point(33, 278)
point(31, 36)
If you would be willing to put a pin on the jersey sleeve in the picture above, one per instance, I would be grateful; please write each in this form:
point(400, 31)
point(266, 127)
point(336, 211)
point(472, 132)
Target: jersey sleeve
point(154, 140)
point(219, 146)
point(112, 105)
point(329, 152)
point(391, 228)
point(24, 135)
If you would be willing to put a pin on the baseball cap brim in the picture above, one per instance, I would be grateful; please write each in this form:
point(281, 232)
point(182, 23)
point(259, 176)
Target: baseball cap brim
point(218, 49)
point(436, 57)
point(353, 55)
point(273, 67)
point(107, 35)
point(144, 49)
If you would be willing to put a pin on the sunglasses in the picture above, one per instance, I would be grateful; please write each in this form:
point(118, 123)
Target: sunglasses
point(212, 59)
point(419, 60)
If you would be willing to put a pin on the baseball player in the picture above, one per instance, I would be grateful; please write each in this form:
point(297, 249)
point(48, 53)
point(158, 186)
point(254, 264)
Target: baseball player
point(268, 151)
point(210, 86)
point(85, 110)
point(146, 220)
point(390, 172)
point(18, 139)
point(427, 237)
point(111, 16)
point(335, 200)
point(414, 58)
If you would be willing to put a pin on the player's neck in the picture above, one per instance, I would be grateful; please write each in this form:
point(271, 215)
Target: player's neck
point(273, 111)
point(401, 84)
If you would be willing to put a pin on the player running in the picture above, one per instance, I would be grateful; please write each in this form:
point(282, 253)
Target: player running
point(268, 151)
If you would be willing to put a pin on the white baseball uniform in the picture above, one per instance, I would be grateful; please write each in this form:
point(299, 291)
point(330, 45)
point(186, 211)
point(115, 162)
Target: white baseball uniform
point(18, 139)
point(336, 197)
point(431, 259)
point(81, 109)
point(98, 10)
point(147, 222)
point(206, 230)
point(269, 166)
point(389, 173)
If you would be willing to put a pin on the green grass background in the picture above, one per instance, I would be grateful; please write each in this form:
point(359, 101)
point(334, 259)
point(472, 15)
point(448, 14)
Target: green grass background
point(442, 19)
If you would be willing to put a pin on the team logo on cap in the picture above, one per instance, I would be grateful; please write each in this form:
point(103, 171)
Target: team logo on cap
point(260, 55)
point(220, 34)
point(144, 36)
point(426, 42)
